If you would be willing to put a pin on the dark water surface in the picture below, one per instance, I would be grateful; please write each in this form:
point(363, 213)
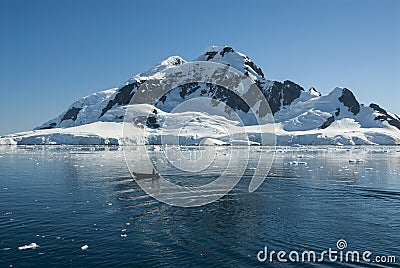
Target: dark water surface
point(65, 197)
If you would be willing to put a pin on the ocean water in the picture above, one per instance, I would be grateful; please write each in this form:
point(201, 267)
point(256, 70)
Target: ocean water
point(65, 197)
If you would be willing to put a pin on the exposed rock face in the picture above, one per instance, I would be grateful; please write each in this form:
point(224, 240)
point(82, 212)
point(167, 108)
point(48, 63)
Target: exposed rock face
point(210, 54)
point(282, 94)
point(328, 122)
point(49, 126)
point(314, 92)
point(277, 94)
point(350, 101)
point(71, 114)
point(254, 67)
point(385, 116)
point(123, 97)
point(226, 50)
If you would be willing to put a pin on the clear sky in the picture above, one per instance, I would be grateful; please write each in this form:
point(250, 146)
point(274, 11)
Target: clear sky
point(53, 52)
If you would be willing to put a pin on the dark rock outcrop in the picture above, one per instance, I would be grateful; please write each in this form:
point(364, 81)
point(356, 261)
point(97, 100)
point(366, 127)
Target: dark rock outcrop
point(384, 116)
point(211, 54)
point(282, 94)
point(151, 122)
point(71, 114)
point(255, 68)
point(123, 97)
point(226, 50)
point(50, 126)
point(328, 122)
point(350, 101)
point(188, 89)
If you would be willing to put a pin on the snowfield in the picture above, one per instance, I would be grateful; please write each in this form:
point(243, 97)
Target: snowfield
point(206, 132)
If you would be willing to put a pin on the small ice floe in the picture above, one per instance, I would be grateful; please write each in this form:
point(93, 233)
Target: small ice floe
point(368, 168)
point(85, 247)
point(356, 161)
point(128, 223)
point(30, 246)
point(298, 145)
point(297, 163)
point(124, 235)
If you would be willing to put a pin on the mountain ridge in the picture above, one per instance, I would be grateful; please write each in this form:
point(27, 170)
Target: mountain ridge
point(294, 108)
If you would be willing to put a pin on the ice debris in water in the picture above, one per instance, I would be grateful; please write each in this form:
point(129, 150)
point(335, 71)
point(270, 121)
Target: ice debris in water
point(297, 163)
point(30, 246)
point(84, 247)
point(356, 160)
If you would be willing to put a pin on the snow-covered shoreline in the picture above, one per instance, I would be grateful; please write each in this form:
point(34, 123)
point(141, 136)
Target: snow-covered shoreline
point(111, 133)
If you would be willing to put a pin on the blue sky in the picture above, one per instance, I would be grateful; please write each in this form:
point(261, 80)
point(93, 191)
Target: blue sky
point(53, 52)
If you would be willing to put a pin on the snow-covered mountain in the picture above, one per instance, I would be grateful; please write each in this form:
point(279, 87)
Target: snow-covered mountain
point(301, 116)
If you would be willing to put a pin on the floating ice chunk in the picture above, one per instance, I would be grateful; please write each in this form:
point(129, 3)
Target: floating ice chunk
point(368, 168)
point(297, 145)
point(85, 247)
point(124, 235)
point(356, 160)
point(30, 246)
point(297, 163)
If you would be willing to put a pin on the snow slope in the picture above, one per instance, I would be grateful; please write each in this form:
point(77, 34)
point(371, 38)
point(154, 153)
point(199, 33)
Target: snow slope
point(301, 117)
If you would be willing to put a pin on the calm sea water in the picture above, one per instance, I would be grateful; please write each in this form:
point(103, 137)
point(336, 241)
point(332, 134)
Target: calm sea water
point(65, 197)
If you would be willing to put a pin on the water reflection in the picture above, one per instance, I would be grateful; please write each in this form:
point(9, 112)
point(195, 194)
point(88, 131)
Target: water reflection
point(312, 197)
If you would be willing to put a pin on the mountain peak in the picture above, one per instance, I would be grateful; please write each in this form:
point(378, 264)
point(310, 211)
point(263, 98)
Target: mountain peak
point(226, 55)
point(172, 61)
point(312, 91)
point(211, 51)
